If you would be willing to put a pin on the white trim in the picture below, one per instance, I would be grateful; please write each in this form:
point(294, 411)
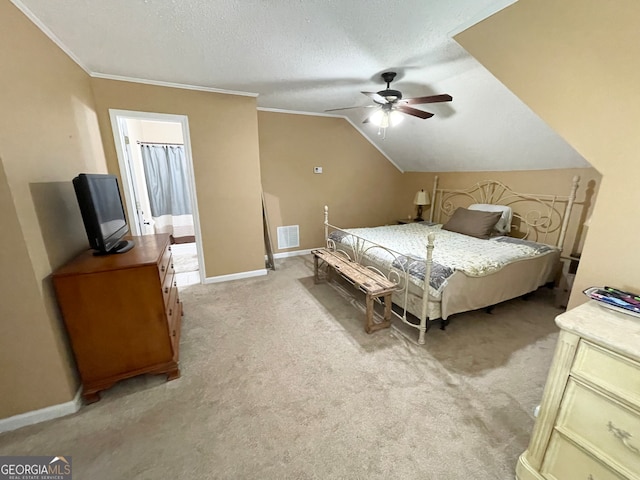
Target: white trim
point(52, 36)
point(183, 120)
point(295, 112)
point(159, 83)
point(315, 114)
point(42, 415)
point(236, 276)
point(372, 143)
point(31, 16)
point(294, 253)
point(483, 14)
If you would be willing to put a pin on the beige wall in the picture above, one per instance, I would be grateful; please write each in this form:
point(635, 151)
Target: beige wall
point(224, 142)
point(575, 63)
point(160, 132)
point(360, 186)
point(48, 134)
point(56, 122)
point(291, 145)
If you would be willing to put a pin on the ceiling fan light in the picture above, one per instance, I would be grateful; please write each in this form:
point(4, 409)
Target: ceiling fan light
point(395, 118)
point(378, 118)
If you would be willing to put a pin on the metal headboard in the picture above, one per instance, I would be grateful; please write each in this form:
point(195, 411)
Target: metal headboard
point(538, 217)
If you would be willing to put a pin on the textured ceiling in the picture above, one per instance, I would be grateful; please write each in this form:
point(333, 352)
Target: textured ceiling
point(313, 55)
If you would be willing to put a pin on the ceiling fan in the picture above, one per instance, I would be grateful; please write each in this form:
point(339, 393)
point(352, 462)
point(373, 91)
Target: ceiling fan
point(390, 104)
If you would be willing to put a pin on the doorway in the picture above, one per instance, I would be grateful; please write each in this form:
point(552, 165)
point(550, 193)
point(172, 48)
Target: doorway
point(153, 150)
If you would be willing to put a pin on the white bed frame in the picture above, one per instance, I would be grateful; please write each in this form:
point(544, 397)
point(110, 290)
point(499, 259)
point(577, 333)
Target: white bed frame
point(537, 217)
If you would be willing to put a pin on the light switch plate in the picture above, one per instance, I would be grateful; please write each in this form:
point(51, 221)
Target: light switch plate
point(317, 169)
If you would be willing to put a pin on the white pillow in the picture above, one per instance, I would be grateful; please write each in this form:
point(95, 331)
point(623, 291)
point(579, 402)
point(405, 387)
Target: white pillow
point(504, 224)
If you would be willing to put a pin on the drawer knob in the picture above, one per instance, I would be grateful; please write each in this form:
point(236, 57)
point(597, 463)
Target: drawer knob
point(623, 437)
point(163, 268)
point(170, 312)
point(166, 289)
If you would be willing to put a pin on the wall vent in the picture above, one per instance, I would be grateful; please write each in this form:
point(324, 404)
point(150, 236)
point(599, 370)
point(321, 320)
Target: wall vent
point(288, 237)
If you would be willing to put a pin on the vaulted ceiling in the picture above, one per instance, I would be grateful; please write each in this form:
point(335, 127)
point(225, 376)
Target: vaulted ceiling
point(314, 55)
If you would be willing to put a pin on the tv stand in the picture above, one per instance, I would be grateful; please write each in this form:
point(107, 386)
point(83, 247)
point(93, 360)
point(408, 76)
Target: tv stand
point(122, 313)
point(121, 247)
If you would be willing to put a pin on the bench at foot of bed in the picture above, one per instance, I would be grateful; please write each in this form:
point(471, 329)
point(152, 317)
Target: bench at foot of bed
point(371, 283)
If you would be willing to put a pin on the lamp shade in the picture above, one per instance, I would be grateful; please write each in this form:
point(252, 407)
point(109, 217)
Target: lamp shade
point(422, 198)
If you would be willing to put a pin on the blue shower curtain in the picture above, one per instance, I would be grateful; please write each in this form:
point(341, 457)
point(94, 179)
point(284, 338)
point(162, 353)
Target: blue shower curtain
point(165, 172)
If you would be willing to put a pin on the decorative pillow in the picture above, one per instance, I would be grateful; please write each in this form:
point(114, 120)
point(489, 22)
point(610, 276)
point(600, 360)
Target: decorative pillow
point(503, 227)
point(475, 223)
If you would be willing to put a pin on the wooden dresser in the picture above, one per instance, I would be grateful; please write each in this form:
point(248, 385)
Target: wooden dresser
point(122, 313)
point(588, 427)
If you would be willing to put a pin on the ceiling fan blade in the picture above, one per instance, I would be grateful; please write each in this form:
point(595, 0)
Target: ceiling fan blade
point(349, 108)
point(430, 99)
point(376, 97)
point(414, 112)
point(366, 120)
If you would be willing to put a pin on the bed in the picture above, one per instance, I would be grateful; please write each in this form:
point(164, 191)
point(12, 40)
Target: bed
point(519, 251)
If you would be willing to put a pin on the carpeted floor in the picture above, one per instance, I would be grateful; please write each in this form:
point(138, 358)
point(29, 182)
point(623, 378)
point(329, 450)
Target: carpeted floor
point(280, 381)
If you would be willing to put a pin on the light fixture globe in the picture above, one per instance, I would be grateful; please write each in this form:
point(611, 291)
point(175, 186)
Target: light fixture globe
point(385, 117)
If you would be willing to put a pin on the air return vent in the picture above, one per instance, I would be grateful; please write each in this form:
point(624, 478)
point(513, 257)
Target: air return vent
point(288, 237)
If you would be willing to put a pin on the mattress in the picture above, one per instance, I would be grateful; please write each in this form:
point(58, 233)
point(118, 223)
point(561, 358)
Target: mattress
point(468, 273)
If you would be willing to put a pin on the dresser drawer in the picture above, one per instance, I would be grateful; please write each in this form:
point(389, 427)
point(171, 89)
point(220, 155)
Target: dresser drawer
point(173, 307)
point(165, 262)
point(169, 283)
point(613, 372)
point(565, 461)
point(609, 429)
point(174, 319)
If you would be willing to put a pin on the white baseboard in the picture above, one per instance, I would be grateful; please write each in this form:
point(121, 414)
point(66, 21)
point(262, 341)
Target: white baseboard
point(42, 415)
point(236, 276)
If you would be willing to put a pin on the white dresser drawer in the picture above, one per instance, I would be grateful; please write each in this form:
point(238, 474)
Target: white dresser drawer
point(609, 429)
point(565, 461)
point(613, 372)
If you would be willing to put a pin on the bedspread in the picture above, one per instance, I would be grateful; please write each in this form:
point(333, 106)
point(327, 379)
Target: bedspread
point(452, 251)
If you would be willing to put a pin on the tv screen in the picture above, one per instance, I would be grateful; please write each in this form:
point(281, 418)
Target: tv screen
point(102, 212)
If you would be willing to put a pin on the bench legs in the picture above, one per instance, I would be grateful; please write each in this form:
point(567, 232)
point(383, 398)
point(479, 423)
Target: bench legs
point(370, 326)
point(316, 271)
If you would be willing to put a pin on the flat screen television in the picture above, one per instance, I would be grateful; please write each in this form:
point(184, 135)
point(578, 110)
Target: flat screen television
point(102, 212)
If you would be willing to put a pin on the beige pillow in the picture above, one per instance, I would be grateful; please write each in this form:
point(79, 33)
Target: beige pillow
point(474, 223)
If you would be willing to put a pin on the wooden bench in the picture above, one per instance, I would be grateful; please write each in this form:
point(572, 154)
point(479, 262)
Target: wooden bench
point(371, 283)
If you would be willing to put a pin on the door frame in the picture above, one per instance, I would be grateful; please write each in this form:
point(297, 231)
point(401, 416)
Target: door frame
point(118, 118)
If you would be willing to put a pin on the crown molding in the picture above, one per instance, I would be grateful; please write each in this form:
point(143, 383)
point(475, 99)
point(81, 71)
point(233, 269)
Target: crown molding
point(373, 143)
point(52, 36)
point(315, 114)
point(158, 83)
point(297, 112)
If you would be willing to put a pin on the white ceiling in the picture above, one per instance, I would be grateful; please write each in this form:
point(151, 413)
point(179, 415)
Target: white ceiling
point(313, 55)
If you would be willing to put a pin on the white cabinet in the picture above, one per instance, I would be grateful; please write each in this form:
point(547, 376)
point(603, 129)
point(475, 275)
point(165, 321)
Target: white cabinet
point(588, 427)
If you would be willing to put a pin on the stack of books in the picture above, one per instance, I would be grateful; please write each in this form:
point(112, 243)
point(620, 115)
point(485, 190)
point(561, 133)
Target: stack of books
point(615, 299)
